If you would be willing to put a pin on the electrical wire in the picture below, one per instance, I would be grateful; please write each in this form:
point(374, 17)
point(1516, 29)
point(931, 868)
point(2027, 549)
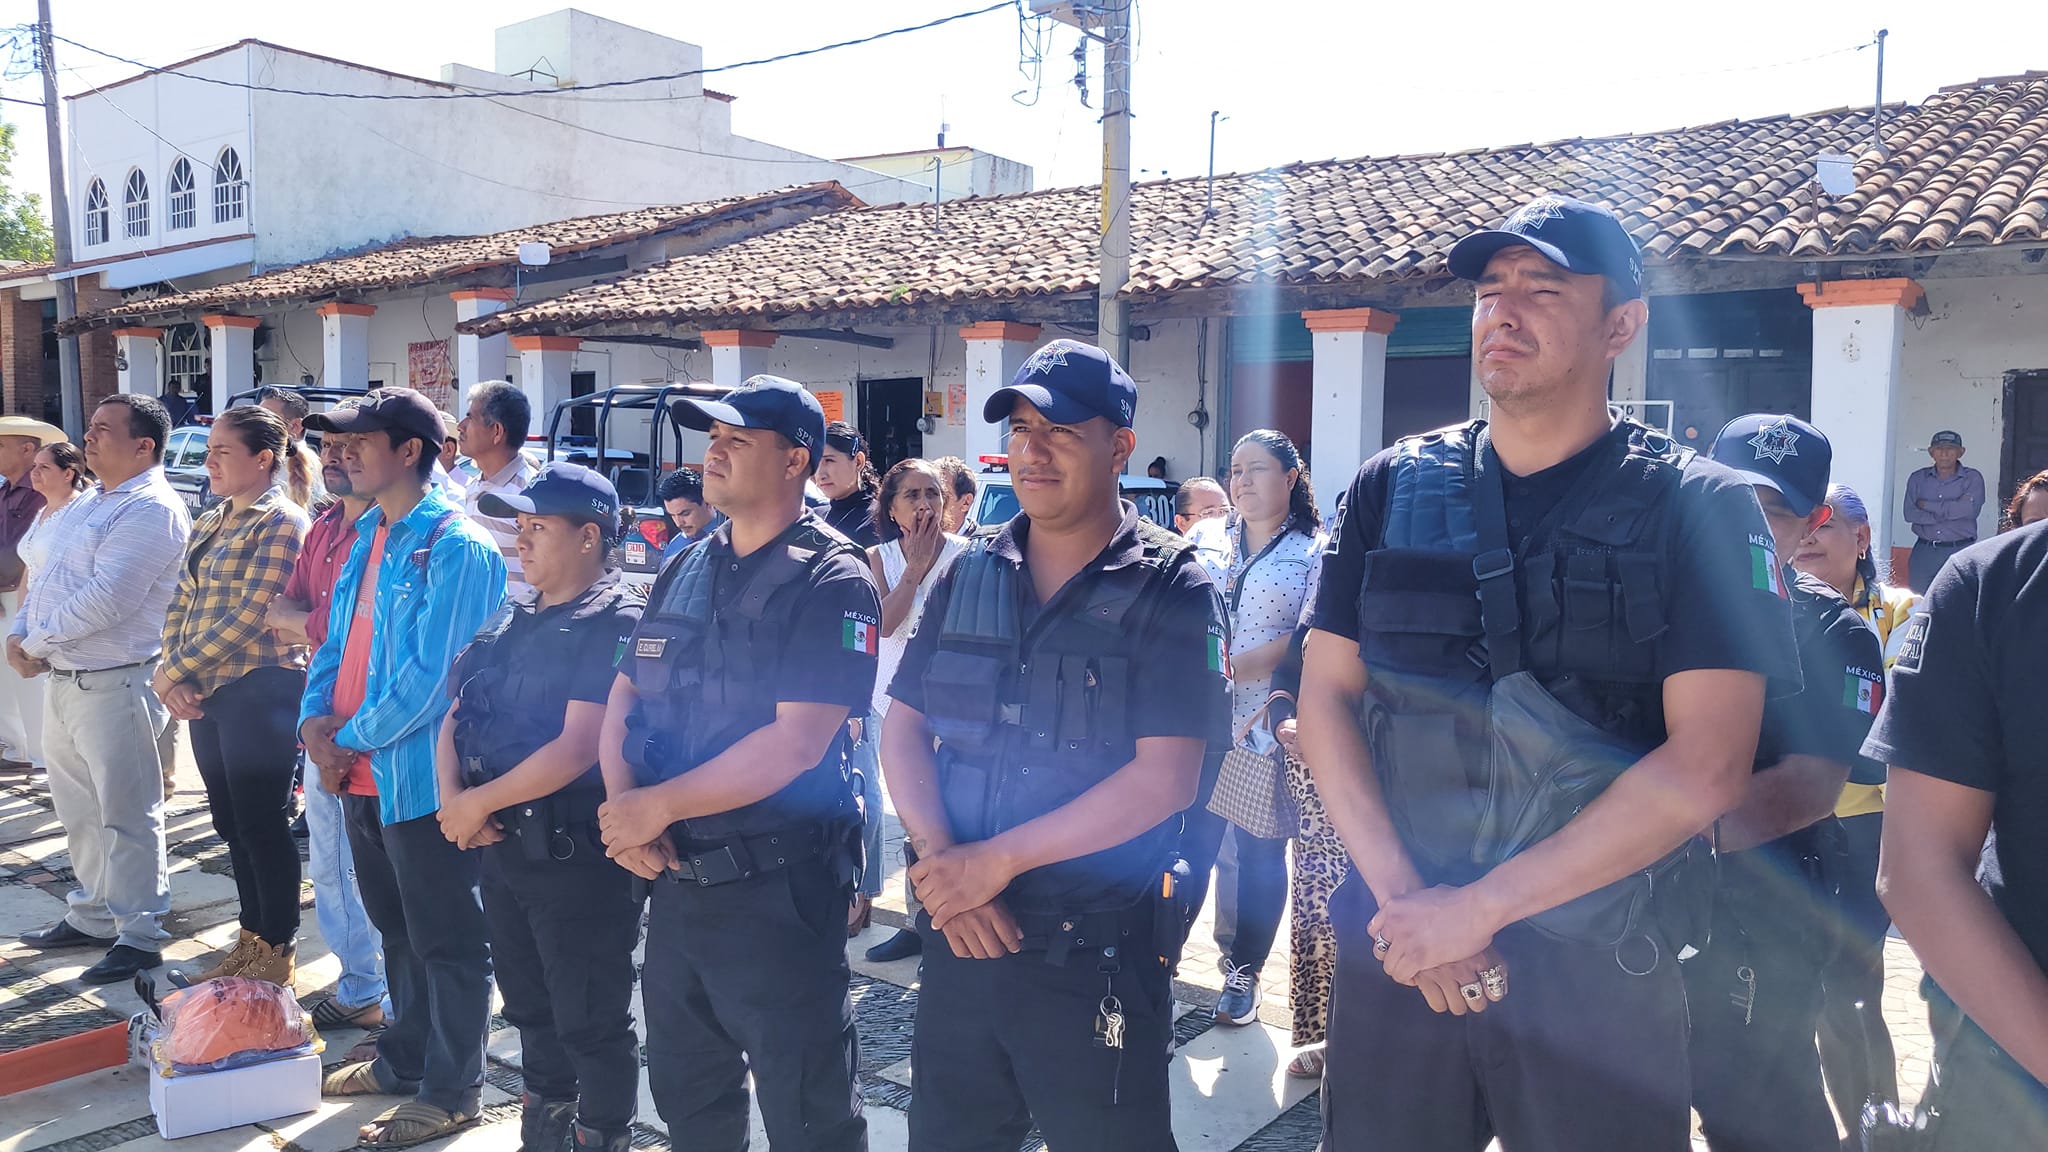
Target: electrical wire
point(593, 87)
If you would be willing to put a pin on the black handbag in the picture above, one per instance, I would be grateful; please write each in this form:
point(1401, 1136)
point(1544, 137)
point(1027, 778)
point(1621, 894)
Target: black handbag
point(1546, 762)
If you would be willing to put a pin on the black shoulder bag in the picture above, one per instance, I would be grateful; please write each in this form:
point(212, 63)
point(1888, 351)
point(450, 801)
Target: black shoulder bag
point(1547, 762)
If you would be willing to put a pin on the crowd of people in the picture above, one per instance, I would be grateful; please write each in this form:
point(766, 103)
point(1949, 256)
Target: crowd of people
point(1590, 772)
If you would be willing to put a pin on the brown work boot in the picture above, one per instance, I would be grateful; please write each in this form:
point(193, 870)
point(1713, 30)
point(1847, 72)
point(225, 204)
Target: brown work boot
point(229, 965)
point(275, 963)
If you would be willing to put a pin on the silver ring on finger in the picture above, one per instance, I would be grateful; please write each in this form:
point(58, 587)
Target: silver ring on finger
point(1472, 992)
point(1496, 982)
point(1380, 945)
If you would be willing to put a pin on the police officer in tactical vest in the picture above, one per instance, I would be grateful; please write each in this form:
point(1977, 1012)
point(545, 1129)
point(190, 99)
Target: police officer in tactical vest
point(724, 761)
point(519, 778)
point(1071, 668)
point(1535, 675)
point(1755, 989)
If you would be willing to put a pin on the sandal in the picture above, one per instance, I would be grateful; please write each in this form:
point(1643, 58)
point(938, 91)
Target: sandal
point(366, 1048)
point(411, 1123)
point(353, 1079)
point(1307, 1066)
point(329, 1013)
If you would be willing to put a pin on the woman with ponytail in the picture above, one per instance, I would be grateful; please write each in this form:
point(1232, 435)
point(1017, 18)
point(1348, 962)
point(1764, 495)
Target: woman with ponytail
point(1275, 538)
point(237, 683)
point(302, 464)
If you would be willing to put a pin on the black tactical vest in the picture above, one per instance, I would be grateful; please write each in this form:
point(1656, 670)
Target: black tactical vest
point(1028, 720)
point(509, 694)
point(1590, 585)
point(707, 680)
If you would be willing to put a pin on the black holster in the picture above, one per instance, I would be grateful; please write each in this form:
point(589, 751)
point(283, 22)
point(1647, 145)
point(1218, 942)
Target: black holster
point(560, 827)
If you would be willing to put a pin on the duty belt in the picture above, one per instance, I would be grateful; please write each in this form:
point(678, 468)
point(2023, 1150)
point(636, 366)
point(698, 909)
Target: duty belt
point(1065, 937)
point(742, 857)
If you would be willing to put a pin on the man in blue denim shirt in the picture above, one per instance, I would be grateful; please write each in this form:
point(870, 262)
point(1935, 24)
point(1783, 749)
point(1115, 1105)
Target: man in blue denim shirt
point(419, 582)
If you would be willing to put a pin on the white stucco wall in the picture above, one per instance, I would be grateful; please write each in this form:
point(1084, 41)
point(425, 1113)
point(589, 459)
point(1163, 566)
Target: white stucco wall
point(1955, 360)
point(331, 175)
point(148, 124)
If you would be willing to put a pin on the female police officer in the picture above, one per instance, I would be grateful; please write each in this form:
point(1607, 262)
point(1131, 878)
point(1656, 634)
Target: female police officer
point(518, 771)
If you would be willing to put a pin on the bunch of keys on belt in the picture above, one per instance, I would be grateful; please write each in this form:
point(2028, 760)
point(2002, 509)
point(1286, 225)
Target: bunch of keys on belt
point(1109, 1023)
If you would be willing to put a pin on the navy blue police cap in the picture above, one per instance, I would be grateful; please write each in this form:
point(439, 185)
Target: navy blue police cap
point(1576, 235)
point(559, 489)
point(1069, 383)
point(765, 402)
point(1782, 453)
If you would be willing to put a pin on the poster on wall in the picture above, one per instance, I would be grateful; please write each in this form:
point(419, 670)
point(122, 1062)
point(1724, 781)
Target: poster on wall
point(431, 373)
point(834, 404)
point(956, 403)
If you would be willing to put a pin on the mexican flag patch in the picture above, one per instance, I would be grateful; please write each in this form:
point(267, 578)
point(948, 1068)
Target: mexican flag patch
point(1764, 574)
point(1219, 654)
point(859, 635)
point(1865, 696)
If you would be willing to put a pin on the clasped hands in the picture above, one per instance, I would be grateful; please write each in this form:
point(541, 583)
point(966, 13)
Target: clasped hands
point(1438, 941)
point(183, 700)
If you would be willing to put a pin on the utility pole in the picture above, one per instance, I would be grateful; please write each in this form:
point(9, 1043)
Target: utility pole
point(1112, 324)
point(60, 226)
point(1209, 201)
point(1877, 115)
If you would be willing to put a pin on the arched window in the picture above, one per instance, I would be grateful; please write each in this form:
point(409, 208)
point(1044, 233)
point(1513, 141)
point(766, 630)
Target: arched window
point(229, 188)
point(184, 198)
point(96, 213)
point(135, 203)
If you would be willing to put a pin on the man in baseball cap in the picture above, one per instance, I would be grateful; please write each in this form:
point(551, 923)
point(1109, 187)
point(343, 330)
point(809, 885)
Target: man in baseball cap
point(1783, 454)
point(764, 403)
point(757, 644)
point(1029, 832)
point(385, 409)
point(1756, 1075)
point(1943, 501)
point(1576, 235)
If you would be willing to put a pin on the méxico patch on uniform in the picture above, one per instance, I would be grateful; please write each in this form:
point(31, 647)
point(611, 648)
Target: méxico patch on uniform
point(1764, 573)
point(1219, 653)
point(1863, 691)
point(859, 634)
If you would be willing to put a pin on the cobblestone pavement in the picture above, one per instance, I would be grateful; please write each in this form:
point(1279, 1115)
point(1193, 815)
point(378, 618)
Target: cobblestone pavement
point(1231, 1091)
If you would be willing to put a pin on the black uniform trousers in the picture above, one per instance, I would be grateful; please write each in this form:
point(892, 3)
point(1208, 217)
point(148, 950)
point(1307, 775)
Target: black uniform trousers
point(1856, 1051)
point(752, 976)
point(562, 936)
point(1581, 1055)
point(1755, 996)
point(421, 893)
point(1986, 1100)
point(1003, 1043)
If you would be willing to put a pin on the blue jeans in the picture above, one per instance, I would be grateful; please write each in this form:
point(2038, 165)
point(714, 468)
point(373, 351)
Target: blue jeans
point(339, 907)
point(867, 760)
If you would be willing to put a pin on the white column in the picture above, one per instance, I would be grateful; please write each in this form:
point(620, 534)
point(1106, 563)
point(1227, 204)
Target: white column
point(736, 354)
point(544, 363)
point(1631, 382)
point(1347, 422)
point(345, 344)
point(233, 340)
point(141, 354)
point(1858, 369)
point(995, 350)
point(478, 358)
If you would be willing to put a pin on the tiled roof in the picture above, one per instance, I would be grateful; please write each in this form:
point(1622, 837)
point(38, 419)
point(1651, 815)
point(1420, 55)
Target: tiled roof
point(429, 260)
point(1967, 167)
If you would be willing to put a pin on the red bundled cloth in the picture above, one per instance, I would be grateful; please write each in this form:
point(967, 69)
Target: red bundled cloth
point(230, 1022)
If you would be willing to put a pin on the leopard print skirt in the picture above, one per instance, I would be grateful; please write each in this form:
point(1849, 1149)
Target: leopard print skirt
point(1320, 865)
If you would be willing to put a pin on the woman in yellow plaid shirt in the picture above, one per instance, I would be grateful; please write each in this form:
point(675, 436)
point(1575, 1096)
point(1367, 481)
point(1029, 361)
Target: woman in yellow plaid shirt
point(237, 685)
point(1855, 1048)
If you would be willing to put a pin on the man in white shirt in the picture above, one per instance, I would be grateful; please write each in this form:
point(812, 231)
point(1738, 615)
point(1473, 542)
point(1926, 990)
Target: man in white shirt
point(492, 432)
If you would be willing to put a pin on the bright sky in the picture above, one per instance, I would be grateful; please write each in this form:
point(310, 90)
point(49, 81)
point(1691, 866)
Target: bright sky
point(1298, 80)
